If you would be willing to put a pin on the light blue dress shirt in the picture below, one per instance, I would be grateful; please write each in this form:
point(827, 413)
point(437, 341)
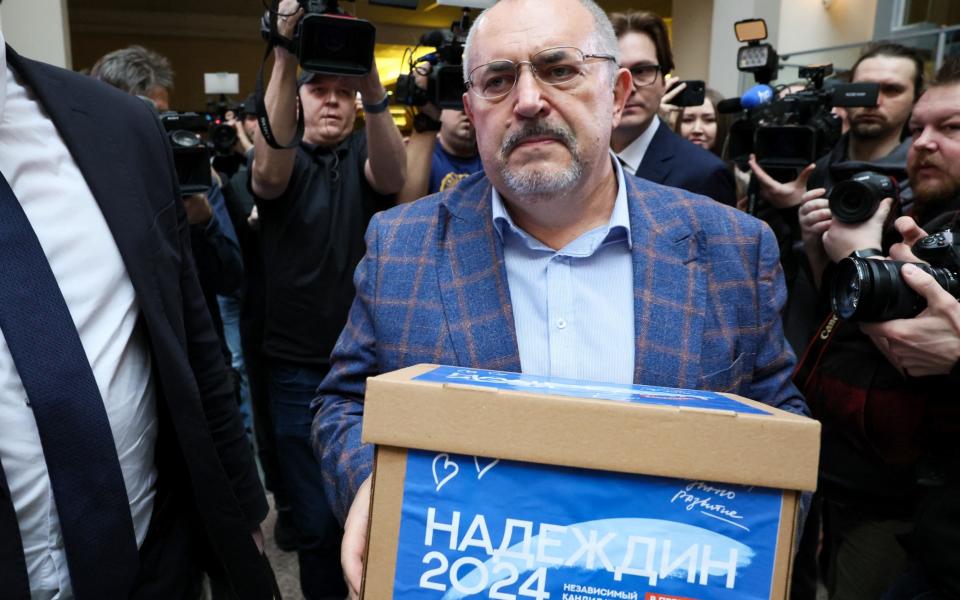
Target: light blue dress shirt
point(573, 307)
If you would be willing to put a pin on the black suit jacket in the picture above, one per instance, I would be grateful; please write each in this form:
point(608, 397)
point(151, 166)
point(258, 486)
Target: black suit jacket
point(203, 457)
point(674, 161)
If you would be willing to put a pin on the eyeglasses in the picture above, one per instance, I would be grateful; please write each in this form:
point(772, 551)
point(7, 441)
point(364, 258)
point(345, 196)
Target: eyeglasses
point(644, 75)
point(553, 66)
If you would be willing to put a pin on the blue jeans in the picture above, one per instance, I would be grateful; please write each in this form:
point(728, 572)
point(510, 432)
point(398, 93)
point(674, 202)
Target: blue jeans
point(292, 388)
point(230, 307)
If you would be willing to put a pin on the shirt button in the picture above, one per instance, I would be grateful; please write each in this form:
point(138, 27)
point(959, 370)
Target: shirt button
point(561, 324)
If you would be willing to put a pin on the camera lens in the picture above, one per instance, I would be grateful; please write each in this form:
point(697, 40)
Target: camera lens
point(873, 290)
point(182, 138)
point(857, 199)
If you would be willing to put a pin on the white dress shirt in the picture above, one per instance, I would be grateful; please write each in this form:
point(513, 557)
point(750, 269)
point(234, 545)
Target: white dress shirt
point(633, 154)
point(90, 272)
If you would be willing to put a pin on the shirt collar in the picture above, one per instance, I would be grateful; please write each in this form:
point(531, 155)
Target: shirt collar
point(618, 227)
point(633, 154)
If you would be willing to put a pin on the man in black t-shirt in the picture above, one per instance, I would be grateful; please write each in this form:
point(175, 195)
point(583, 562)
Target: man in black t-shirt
point(314, 203)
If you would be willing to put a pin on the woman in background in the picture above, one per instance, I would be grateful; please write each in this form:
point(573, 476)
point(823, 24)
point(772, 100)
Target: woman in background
point(703, 125)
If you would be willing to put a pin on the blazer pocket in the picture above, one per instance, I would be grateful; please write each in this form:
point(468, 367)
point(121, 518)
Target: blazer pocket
point(730, 378)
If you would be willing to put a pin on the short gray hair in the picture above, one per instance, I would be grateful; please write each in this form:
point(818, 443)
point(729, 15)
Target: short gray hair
point(604, 39)
point(135, 70)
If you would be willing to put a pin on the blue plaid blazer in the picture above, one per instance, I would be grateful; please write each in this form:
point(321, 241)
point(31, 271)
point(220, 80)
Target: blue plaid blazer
point(433, 288)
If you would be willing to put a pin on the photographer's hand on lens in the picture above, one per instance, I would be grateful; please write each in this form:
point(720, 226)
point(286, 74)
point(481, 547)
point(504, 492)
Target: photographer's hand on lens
point(780, 195)
point(928, 344)
point(668, 111)
point(354, 544)
point(841, 239)
point(288, 15)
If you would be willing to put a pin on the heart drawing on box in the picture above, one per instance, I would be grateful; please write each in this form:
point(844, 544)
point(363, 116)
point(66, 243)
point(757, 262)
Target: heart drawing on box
point(481, 471)
point(448, 465)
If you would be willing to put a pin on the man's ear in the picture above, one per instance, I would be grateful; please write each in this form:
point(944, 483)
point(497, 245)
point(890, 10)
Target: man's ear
point(622, 88)
point(466, 103)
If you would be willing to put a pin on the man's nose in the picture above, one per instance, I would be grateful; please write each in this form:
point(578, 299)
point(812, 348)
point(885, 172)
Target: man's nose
point(529, 101)
point(926, 140)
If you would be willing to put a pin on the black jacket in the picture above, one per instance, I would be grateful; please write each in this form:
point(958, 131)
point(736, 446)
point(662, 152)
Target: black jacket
point(674, 161)
point(203, 457)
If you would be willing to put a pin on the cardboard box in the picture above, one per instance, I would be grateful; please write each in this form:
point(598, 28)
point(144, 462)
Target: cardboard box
point(505, 486)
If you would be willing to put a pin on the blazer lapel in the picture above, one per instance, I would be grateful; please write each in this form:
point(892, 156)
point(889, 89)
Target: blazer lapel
point(473, 280)
point(658, 159)
point(91, 140)
point(669, 289)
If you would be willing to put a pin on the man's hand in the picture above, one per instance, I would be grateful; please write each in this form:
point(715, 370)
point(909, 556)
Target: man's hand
point(780, 195)
point(258, 538)
point(355, 540)
point(370, 87)
point(841, 239)
point(253, 219)
point(198, 209)
point(288, 15)
point(928, 344)
point(815, 218)
point(911, 234)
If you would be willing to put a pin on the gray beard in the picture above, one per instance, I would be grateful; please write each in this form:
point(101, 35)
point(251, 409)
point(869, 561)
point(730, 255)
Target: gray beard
point(534, 185)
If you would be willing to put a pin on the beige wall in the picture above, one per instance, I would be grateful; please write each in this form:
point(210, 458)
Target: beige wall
point(807, 24)
point(38, 29)
point(692, 21)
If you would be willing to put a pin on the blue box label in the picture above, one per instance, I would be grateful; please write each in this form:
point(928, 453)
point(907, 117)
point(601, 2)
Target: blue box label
point(558, 386)
point(503, 530)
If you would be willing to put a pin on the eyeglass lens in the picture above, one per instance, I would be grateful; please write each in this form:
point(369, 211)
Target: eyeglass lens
point(552, 66)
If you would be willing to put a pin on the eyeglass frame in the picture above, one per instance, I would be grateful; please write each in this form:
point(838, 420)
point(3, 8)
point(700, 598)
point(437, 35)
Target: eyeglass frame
point(658, 69)
point(516, 70)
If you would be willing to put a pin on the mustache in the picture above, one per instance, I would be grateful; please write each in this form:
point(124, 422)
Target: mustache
point(538, 129)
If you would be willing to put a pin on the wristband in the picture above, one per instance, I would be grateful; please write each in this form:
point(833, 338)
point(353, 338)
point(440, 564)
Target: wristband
point(379, 107)
point(865, 253)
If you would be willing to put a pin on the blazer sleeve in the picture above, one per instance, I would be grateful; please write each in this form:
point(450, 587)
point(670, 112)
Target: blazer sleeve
point(338, 408)
point(206, 360)
point(775, 361)
point(723, 185)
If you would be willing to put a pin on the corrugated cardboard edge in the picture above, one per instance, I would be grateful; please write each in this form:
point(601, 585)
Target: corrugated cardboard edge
point(383, 532)
point(383, 527)
point(594, 434)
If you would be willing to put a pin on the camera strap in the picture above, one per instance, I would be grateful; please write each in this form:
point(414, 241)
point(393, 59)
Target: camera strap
point(812, 355)
point(274, 39)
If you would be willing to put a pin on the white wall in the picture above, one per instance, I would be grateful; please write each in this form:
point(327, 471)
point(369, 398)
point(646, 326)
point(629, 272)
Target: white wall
point(723, 73)
point(807, 24)
point(38, 29)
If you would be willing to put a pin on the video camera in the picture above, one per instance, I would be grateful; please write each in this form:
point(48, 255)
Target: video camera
point(191, 155)
point(788, 133)
point(326, 40)
point(873, 290)
point(445, 87)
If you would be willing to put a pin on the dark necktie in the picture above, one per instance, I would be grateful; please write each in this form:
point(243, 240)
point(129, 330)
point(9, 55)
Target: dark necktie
point(75, 434)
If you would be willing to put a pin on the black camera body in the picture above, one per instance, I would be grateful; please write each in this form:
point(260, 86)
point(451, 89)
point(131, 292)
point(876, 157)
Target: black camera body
point(191, 155)
point(327, 40)
point(856, 199)
point(445, 86)
point(874, 290)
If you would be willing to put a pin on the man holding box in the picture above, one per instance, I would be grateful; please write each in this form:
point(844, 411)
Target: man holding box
point(497, 273)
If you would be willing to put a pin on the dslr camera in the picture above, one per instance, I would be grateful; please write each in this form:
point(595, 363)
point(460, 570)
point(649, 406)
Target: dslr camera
point(856, 199)
point(873, 290)
point(445, 87)
point(327, 40)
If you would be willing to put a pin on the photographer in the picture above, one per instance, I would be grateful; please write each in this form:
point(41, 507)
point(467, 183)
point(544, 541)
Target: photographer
point(441, 152)
point(885, 392)
point(873, 142)
point(314, 203)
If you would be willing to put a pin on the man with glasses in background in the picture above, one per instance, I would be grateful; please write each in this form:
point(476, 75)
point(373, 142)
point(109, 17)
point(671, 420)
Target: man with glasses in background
point(648, 147)
point(554, 261)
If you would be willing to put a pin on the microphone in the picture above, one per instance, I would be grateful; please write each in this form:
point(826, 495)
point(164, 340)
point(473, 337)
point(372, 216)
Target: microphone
point(758, 95)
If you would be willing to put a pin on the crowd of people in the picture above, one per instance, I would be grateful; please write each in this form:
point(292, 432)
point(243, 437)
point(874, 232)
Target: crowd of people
point(568, 221)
